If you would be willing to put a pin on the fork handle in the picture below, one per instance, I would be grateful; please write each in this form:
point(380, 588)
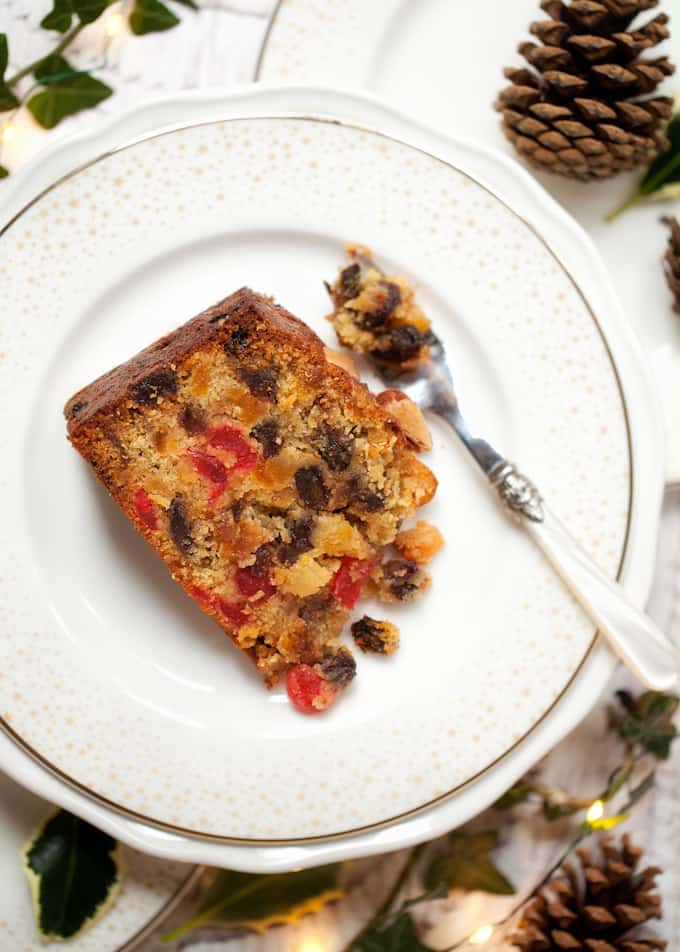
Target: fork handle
point(639, 643)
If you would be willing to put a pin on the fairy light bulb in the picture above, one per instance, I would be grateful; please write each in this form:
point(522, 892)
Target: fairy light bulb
point(8, 132)
point(481, 935)
point(114, 24)
point(595, 811)
point(311, 944)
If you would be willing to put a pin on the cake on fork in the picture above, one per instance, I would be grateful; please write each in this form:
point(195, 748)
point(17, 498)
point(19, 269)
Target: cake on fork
point(267, 478)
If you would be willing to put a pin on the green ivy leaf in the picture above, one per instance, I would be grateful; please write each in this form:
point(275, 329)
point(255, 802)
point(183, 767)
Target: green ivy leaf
point(3, 172)
point(90, 10)
point(60, 16)
point(256, 902)
point(74, 872)
point(188, 3)
point(395, 932)
point(65, 92)
point(151, 16)
point(467, 864)
point(519, 793)
point(648, 721)
point(7, 98)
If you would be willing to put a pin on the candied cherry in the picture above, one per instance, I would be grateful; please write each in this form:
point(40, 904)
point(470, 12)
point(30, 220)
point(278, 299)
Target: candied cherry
point(231, 439)
point(250, 584)
point(232, 613)
point(308, 691)
point(145, 508)
point(210, 468)
point(202, 596)
point(347, 582)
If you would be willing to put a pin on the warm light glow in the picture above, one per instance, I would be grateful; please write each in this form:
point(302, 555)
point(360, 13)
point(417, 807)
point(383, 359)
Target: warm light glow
point(595, 811)
point(311, 945)
point(8, 133)
point(481, 935)
point(114, 24)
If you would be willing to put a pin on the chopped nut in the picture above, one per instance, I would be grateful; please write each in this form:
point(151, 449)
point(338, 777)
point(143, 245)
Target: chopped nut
point(408, 417)
point(420, 543)
point(342, 360)
point(378, 637)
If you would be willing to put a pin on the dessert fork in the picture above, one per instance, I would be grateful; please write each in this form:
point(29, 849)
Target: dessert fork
point(632, 634)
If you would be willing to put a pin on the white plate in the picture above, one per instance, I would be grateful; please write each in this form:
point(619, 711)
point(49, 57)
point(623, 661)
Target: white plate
point(593, 677)
point(150, 889)
point(428, 58)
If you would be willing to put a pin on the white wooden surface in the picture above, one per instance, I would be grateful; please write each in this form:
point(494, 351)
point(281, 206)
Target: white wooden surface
point(218, 47)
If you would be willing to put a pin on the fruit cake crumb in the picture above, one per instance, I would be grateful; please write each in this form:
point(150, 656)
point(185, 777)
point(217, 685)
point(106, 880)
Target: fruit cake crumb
point(420, 543)
point(376, 637)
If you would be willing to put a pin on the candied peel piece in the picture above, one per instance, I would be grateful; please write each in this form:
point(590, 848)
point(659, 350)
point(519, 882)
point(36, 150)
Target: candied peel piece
point(420, 543)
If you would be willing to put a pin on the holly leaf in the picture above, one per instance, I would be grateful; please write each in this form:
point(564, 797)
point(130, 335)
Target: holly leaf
point(60, 16)
point(467, 864)
point(89, 10)
point(395, 931)
point(74, 872)
point(248, 901)
point(66, 91)
point(151, 16)
point(648, 721)
point(3, 172)
point(7, 98)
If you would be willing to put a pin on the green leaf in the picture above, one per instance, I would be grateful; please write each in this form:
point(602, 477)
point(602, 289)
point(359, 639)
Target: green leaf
point(256, 902)
point(662, 173)
point(151, 16)
point(4, 55)
point(468, 865)
point(66, 91)
point(7, 98)
point(74, 871)
point(60, 16)
point(648, 721)
point(395, 932)
point(89, 10)
point(517, 794)
point(188, 3)
point(3, 172)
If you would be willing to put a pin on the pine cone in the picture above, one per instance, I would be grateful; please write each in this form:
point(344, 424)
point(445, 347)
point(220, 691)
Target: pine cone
point(672, 261)
point(577, 109)
point(593, 906)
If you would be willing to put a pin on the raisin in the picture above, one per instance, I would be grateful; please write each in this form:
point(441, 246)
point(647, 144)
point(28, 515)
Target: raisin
point(348, 284)
point(338, 668)
point(264, 557)
point(237, 342)
point(335, 448)
point(373, 320)
point(236, 509)
point(371, 635)
point(149, 389)
point(261, 381)
point(311, 487)
point(359, 494)
point(179, 526)
point(267, 435)
point(315, 606)
point(192, 419)
point(399, 345)
point(404, 579)
point(300, 540)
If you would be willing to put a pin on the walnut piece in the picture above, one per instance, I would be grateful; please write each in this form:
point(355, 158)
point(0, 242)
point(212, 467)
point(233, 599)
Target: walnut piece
point(420, 543)
point(408, 417)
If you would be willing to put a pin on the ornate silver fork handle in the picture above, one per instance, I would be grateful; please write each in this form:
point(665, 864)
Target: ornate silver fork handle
point(632, 634)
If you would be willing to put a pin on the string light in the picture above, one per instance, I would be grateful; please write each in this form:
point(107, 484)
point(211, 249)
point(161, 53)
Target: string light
point(8, 132)
point(481, 935)
point(595, 812)
point(114, 24)
point(311, 945)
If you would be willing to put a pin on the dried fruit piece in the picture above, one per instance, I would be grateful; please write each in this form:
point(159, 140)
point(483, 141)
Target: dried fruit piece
point(300, 540)
point(202, 596)
point(232, 613)
point(348, 580)
point(335, 448)
point(253, 585)
point(420, 543)
point(145, 508)
point(150, 389)
point(400, 580)
point(231, 439)
point(307, 690)
point(338, 668)
point(211, 469)
point(179, 526)
point(378, 637)
point(192, 419)
point(400, 345)
point(261, 381)
point(267, 435)
point(311, 487)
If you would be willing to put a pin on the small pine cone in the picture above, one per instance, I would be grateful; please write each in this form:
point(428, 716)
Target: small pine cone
point(594, 905)
point(672, 261)
point(578, 109)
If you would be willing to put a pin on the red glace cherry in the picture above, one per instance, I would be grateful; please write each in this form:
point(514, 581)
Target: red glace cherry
point(308, 691)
